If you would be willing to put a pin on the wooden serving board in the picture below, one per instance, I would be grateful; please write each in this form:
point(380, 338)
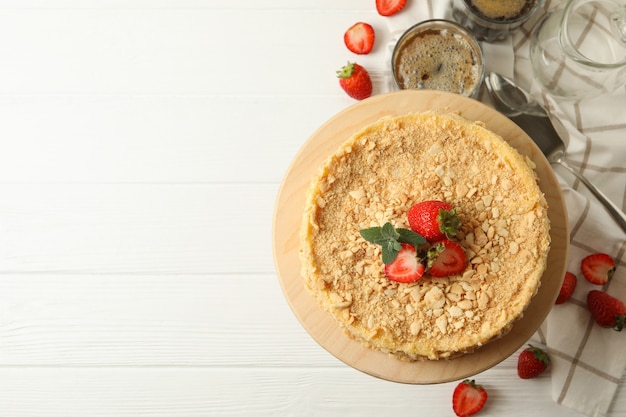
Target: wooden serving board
point(290, 206)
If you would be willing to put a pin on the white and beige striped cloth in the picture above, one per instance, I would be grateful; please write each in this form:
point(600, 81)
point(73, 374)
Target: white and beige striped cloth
point(588, 361)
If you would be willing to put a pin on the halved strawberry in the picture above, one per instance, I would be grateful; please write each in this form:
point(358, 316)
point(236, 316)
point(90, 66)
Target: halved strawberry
point(359, 38)
point(433, 219)
point(446, 258)
point(567, 288)
point(406, 267)
point(468, 398)
point(389, 7)
point(598, 268)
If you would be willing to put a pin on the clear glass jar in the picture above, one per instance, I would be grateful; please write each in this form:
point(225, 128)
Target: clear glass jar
point(579, 50)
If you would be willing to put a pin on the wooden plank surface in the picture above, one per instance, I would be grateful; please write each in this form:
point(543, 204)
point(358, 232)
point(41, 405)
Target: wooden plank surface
point(142, 145)
point(239, 392)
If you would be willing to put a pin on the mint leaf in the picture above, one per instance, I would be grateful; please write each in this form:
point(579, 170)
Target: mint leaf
point(389, 232)
point(373, 234)
point(410, 237)
point(390, 239)
point(389, 255)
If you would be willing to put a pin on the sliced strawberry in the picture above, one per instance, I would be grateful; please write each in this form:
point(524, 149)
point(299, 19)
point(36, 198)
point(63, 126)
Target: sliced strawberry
point(598, 268)
point(468, 398)
point(532, 362)
point(406, 267)
point(389, 7)
point(567, 288)
point(433, 219)
point(606, 310)
point(446, 258)
point(359, 38)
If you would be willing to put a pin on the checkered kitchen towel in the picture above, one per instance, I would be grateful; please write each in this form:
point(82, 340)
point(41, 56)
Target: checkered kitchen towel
point(588, 361)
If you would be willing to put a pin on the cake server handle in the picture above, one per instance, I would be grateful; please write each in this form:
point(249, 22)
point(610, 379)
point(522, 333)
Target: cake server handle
point(613, 210)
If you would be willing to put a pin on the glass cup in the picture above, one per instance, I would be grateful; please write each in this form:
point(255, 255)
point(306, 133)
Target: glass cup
point(579, 50)
point(493, 20)
point(438, 55)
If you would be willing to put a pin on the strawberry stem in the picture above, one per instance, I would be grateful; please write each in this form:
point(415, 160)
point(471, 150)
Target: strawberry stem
point(449, 222)
point(540, 355)
point(346, 71)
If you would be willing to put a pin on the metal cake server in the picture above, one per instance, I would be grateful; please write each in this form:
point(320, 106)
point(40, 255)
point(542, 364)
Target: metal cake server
point(519, 106)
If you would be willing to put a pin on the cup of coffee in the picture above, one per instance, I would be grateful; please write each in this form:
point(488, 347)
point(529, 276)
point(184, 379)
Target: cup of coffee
point(493, 20)
point(438, 55)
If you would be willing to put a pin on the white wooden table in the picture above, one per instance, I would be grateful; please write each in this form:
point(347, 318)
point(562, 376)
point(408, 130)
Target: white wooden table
point(142, 144)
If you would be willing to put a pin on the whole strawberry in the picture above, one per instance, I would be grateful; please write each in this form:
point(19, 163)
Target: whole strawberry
point(355, 81)
point(468, 398)
point(567, 288)
point(606, 310)
point(532, 362)
point(434, 219)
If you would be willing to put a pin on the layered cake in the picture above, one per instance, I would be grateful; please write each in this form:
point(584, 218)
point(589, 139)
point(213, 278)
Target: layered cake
point(374, 178)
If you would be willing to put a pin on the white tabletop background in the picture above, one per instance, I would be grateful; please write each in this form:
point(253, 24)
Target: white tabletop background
point(142, 145)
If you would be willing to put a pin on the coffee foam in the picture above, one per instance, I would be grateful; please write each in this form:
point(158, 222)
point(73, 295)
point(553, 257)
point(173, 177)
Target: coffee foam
point(438, 60)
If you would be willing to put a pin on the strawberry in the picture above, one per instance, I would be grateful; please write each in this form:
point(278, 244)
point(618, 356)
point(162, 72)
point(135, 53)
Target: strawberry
point(355, 81)
point(405, 268)
point(389, 7)
point(446, 258)
point(598, 268)
point(532, 362)
point(434, 219)
point(359, 38)
point(468, 398)
point(567, 288)
point(606, 310)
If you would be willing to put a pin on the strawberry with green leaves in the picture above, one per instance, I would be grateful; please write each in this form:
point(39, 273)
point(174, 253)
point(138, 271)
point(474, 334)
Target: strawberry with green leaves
point(355, 81)
point(532, 362)
point(606, 310)
point(468, 398)
point(359, 38)
point(598, 268)
point(435, 220)
point(407, 255)
point(399, 249)
point(390, 239)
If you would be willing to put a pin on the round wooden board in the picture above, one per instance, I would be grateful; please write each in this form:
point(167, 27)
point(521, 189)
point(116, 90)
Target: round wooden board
point(290, 206)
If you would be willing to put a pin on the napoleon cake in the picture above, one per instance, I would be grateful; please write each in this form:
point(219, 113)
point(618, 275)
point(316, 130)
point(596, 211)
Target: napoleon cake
point(374, 178)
